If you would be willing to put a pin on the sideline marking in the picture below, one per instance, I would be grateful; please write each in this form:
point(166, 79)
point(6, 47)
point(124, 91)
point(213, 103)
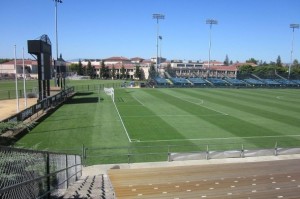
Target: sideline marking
point(227, 138)
point(122, 122)
point(207, 115)
point(201, 105)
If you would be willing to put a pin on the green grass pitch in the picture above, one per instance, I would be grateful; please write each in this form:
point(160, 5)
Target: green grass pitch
point(221, 118)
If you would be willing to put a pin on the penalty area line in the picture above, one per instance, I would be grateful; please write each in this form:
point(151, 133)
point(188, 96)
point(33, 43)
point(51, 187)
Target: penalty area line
point(202, 105)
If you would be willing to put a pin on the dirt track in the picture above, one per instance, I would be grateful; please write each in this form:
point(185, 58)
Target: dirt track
point(9, 107)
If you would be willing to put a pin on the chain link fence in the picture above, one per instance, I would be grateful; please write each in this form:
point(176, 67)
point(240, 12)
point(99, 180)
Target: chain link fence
point(36, 174)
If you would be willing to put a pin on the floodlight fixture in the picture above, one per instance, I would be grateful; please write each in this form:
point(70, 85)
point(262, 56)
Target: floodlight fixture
point(157, 17)
point(293, 26)
point(210, 22)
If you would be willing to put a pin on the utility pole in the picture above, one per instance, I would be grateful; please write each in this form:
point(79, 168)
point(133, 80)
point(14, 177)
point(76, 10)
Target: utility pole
point(293, 26)
point(210, 22)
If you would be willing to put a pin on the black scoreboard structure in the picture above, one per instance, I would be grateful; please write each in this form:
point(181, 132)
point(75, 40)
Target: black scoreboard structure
point(42, 49)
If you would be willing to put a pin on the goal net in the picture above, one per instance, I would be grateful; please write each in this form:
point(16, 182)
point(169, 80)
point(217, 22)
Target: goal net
point(110, 92)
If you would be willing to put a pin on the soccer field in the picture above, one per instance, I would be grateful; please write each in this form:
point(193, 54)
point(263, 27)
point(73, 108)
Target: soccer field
point(181, 116)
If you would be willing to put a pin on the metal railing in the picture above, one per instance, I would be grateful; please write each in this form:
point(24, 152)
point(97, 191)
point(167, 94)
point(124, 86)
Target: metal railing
point(45, 104)
point(36, 174)
point(134, 154)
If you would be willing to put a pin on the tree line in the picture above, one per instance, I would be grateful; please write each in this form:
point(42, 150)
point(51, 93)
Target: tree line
point(269, 70)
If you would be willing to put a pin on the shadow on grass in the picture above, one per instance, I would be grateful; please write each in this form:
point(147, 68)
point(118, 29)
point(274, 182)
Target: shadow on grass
point(83, 93)
point(83, 100)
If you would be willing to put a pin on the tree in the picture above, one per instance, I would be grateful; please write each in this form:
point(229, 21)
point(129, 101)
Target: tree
point(246, 69)
point(138, 72)
point(80, 69)
point(123, 71)
point(90, 70)
point(103, 71)
point(226, 61)
point(113, 72)
point(252, 60)
point(4, 60)
point(152, 72)
point(296, 63)
point(73, 68)
point(278, 61)
point(127, 74)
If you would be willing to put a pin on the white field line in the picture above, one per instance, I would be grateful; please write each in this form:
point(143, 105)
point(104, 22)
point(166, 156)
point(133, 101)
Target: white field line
point(227, 138)
point(130, 105)
point(145, 116)
point(122, 122)
point(201, 105)
point(138, 101)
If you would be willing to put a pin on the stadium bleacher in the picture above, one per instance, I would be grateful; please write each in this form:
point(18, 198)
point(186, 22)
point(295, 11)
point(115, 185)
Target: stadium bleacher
point(271, 82)
point(196, 81)
point(217, 81)
point(161, 81)
point(285, 82)
point(254, 82)
point(236, 82)
point(178, 81)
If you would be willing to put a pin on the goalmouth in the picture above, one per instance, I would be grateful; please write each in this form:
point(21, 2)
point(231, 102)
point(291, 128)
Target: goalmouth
point(110, 92)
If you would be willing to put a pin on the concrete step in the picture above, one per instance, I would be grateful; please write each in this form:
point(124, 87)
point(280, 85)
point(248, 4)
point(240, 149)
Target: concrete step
point(97, 186)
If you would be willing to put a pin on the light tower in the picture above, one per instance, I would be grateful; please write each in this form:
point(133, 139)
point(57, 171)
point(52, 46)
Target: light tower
point(157, 17)
point(293, 26)
point(210, 22)
point(56, 39)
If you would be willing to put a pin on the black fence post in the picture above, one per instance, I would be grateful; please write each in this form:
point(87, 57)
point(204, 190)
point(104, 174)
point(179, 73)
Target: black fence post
point(75, 156)
point(48, 175)
point(67, 175)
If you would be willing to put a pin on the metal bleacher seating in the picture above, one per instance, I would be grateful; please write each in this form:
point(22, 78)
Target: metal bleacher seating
point(254, 81)
point(217, 82)
point(180, 81)
point(197, 81)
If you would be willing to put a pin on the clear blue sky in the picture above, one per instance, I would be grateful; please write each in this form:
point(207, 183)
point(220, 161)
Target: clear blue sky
point(105, 28)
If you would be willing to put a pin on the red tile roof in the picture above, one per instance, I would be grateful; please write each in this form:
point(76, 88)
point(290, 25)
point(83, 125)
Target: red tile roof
point(20, 62)
point(224, 68)
point(119, 66)
point(117, 59)
point(137, 59)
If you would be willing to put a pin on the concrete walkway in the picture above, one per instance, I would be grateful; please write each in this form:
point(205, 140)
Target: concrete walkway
point(102, 169)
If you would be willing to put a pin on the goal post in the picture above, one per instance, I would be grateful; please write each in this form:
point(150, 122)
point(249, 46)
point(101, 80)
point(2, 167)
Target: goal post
point(110, 92)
